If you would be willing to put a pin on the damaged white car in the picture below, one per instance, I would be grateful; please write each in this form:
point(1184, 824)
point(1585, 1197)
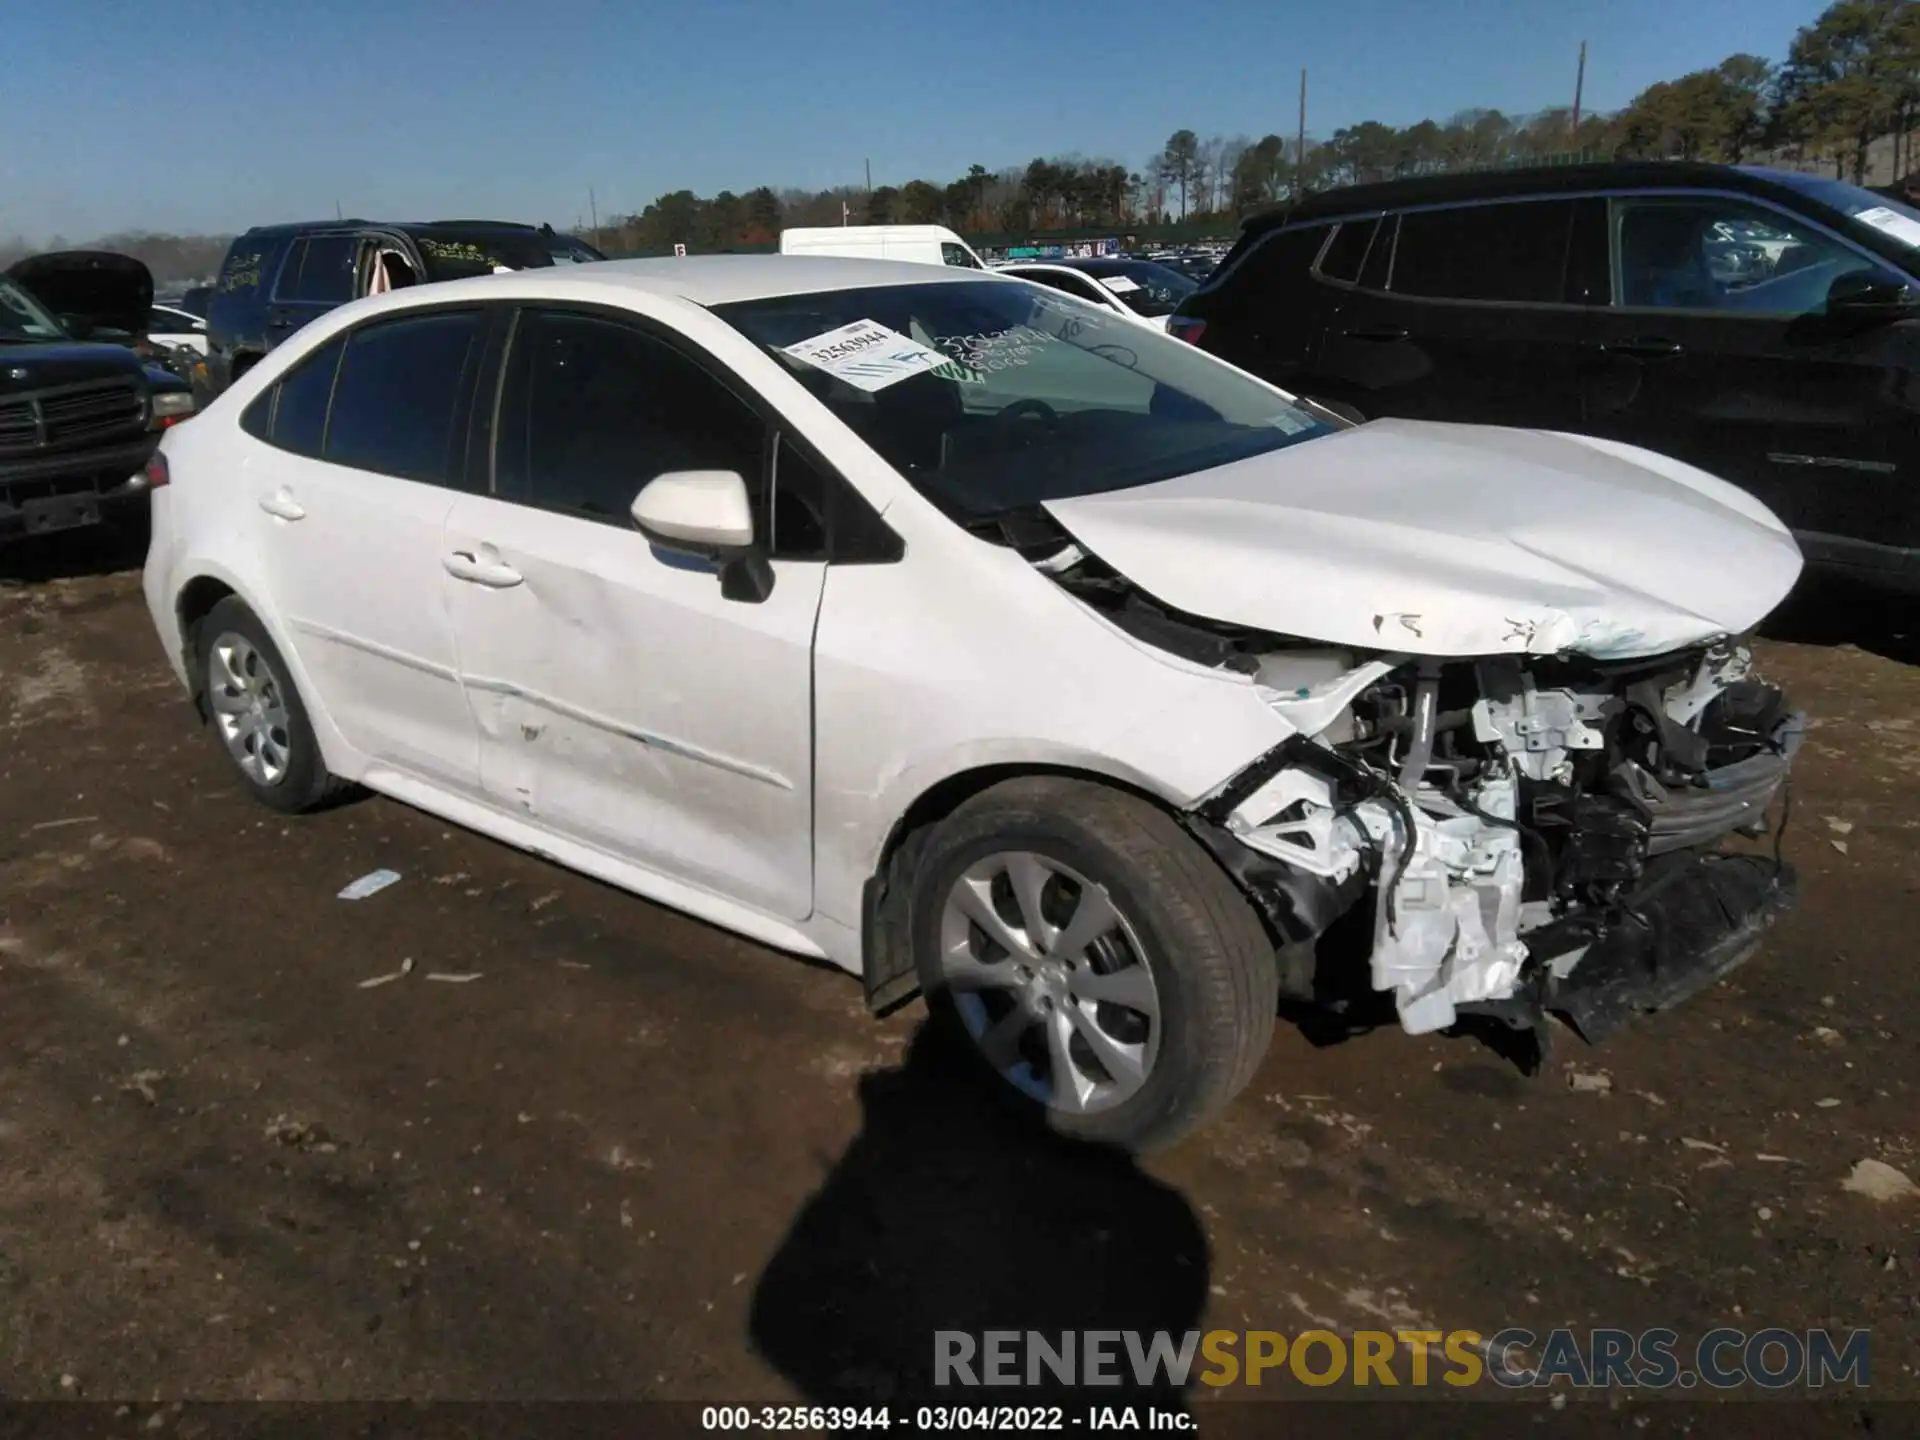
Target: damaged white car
point(988, 645)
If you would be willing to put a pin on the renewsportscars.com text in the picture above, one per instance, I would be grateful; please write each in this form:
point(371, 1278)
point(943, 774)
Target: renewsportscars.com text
point(1774, 1359)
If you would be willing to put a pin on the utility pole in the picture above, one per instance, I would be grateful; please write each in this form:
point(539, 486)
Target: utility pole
point(869, 177)
point(336, 211)
point(594, 208)
point(1579, 87)
point(1300, 170)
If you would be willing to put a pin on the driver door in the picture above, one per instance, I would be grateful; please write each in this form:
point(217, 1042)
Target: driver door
point(623, 700)
point(1738, 369)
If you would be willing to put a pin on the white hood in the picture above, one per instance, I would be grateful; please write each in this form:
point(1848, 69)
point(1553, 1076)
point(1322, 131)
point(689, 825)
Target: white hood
point(1452, 540)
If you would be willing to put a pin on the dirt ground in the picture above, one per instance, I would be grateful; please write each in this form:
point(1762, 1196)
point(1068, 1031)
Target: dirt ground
point(638, 1157)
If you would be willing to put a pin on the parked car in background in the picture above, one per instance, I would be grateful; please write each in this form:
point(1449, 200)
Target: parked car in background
point(993, 645)
point(921, 244)
point(276, 278)
point(1137, 289)
point(79, 415)
point(175, 326)
point(1600, 300)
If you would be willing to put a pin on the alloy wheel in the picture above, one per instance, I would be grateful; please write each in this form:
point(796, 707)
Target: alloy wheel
point(249, 706)
point(1051, 981)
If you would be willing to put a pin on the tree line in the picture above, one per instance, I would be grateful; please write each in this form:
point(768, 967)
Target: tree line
point(1850, 79)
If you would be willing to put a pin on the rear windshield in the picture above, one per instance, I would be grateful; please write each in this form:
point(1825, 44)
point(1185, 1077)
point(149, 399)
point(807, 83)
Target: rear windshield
point(991, 396)
point(1141, 285)
point(451, 255)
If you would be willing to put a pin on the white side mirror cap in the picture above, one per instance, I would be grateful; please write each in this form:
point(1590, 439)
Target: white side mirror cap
point(703, 511)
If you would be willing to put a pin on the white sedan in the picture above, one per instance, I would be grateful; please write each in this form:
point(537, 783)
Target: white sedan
point(1137, 290)
point(982, 642)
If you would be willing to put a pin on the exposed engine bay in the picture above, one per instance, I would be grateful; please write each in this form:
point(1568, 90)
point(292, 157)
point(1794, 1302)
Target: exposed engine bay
point(1537, 833)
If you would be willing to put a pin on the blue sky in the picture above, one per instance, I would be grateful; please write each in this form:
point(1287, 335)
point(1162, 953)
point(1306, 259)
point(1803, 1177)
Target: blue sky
point(200, 115)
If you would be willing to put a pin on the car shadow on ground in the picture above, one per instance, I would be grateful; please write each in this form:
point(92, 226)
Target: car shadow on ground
point(94, 550)
point(948, 1212)
point(1823, 611)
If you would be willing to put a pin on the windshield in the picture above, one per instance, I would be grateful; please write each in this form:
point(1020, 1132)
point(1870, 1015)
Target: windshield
point(1890, 217)
point(990, 396)
point(23, 318)
point(1142, 286)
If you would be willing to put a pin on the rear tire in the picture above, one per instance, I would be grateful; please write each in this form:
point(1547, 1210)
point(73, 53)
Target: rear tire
point(1107, 972)
point(255, 713)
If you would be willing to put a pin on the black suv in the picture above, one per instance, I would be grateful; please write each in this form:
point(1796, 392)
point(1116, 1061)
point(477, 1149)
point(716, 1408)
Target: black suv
point(278, 277)
point(1760, 325)
point(80, 411)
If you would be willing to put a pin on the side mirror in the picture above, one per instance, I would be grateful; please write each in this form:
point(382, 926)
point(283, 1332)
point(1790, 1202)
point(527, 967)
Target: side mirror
point(706, 514)
point(1870, 295)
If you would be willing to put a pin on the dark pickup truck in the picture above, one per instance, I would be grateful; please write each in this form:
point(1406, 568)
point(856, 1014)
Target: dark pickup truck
point(81, 411)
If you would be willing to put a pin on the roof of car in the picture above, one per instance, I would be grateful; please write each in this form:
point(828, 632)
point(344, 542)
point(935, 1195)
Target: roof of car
point(721, 279)
point(354, 222)
point(1537, 180)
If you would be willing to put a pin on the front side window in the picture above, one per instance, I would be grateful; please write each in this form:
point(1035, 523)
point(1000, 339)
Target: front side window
point(594, 409)
point(1348, 252)
point(952, 254)
point(397, 398)
point(1514, 251)
point(299, 410)
point(1021, 396)
point(1721, 253)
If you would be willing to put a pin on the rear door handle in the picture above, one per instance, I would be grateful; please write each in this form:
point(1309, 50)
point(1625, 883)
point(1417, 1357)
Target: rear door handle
point(1651, 347)
point(1381, 334)
point(282, 506)
point(464, 565)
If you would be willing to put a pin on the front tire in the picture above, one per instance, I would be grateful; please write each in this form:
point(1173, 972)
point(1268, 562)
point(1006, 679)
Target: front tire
point(256, 714)
point(1104, 967)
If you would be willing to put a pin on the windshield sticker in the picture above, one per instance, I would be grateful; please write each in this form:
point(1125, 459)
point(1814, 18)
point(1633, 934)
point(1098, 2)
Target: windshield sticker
point(867, 355)
point(1892, 222)
point(1118, 284)
point(1292, 422)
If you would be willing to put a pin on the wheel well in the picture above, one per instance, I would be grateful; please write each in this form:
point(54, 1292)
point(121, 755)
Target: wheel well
point(886, 947)
point(196, 602)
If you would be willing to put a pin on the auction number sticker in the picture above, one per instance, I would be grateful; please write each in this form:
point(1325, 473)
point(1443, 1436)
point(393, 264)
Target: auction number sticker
point(1891, 222)
point(867, 355)
point(1119, 284)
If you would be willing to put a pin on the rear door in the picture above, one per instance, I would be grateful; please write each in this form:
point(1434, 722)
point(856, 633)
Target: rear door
point(320, 271)
point(1718, 350)
point(370, 433)
point(1459, 313)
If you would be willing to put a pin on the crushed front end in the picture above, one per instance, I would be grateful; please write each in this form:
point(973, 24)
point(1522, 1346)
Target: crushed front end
point(1539, 834)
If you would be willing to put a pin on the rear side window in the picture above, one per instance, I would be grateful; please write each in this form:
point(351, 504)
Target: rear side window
point(1512, 252)
point(398, 397)
point(300, 411)
point(320, 270)
point(1348, 252)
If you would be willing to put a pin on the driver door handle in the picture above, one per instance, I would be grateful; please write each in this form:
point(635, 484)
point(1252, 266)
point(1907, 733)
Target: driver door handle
point(463, 565)
point(282, 506)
